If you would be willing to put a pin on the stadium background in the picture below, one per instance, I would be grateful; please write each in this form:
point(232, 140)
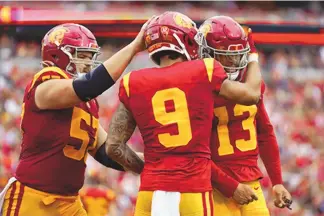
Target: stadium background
point(288, 35)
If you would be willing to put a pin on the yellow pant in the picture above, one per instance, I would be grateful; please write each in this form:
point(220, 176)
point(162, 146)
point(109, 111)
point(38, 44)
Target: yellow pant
point(191, 204)
point(228, 207)
point(24, 201)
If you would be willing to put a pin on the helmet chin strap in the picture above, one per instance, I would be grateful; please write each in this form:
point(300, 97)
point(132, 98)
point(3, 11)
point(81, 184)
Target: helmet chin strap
point(233, 75)
point(182, 46)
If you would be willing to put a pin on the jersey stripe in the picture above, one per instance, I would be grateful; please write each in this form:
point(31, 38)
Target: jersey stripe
point(209, 64)
point(20, 196)
point(126, 83)
point(11, 199)
point(207, 200)
point(48, 69)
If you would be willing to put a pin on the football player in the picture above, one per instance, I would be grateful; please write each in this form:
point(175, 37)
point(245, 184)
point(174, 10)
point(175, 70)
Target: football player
point(60, 123)
point(240, 132)
point(173, 108)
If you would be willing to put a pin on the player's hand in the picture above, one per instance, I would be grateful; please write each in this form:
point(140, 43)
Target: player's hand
point(253, 49)
point(244, 194)
point(139, 41)
point(282, 196)
point(253, 54)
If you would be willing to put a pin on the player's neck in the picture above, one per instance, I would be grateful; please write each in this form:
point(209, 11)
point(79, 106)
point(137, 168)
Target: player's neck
point(168, 62)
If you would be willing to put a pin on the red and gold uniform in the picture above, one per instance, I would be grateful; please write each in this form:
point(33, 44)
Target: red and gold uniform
point(54, 147)
point(240, 133)
point(173, 107)
point(97, 201)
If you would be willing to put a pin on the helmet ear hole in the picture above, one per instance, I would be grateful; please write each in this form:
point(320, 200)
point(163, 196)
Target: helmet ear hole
point(55, 57)
point(188, 40)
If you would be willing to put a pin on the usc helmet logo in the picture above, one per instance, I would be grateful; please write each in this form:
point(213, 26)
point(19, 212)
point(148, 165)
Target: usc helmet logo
point(57, 35)
point(205, 29)
point(183, 21)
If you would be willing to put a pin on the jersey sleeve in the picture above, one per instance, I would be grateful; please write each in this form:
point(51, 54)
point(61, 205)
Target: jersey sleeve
point(215, 72)
point(267, 142)
point(223, 182)
point(47, 73)
point(124, 90)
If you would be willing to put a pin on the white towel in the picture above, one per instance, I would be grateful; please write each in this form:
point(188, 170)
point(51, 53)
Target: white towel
point(165, 203)
point(4, 191)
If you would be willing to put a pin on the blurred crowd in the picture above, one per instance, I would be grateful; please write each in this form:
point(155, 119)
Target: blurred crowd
point(272, 11)
point(294, 100)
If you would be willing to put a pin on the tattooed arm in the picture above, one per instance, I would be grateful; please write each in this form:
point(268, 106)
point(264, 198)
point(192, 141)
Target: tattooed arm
point(120, 130)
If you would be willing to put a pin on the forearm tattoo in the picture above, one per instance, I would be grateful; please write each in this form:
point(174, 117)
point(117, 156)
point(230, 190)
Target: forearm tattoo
point(120, 130)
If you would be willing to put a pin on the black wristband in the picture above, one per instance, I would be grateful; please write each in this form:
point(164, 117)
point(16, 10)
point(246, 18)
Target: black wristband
point(105, 160)
point(93, 84)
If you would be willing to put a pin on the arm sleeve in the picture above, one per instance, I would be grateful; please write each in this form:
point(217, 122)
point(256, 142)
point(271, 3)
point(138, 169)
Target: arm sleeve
point(215, 72)
point(105, 160)
point(47, 73)
point(268, 145)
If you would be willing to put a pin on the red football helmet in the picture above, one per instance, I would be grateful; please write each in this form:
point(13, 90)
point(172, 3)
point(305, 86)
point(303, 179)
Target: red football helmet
point(224, 39)
point(61, 45)
point(171, 31)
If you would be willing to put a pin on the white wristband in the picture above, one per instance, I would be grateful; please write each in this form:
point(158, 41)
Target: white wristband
point(253, 57)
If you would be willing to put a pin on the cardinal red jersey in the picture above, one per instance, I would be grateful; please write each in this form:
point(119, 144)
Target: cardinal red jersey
point(173, 108)
point(234, 142)
point(55, 142)
point(97, 200)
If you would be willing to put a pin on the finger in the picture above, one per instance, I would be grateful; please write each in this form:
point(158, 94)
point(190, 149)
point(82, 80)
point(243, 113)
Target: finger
point(247, 202)
point(279, 197)
point(286, 195)
point(244, 200)
point(288, 201)
point(279, 204)
point(240, 203)
point(249, 199)
point(244, 203)
point(148, 21)
point(288, 207)
point(254, 197)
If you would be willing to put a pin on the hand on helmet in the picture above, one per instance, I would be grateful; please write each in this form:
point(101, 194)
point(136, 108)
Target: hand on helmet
point(139, 41)
point(248, 31)
point(253, 54)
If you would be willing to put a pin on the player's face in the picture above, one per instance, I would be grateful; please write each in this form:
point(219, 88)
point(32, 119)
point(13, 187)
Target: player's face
point(85, 66)
point(229, 61)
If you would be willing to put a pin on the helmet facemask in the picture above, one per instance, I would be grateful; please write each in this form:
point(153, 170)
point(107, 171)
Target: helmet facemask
point(72, 52)
point(233, 60)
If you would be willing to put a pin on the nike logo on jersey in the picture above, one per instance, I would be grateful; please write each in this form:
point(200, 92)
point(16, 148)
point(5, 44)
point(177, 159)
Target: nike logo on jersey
point(256, 188)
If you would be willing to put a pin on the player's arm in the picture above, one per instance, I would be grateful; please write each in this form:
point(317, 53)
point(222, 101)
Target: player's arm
point(100, 155)
point(60, 94)
point(247, 93)
point(229, 187)
point(120, 130)
point(270, 155)
point(268, 145)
